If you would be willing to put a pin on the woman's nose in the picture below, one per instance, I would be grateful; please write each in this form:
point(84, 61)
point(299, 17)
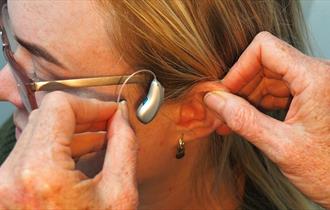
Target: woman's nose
point(8, 88)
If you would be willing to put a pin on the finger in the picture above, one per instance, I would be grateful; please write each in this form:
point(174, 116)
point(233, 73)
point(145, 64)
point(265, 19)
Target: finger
point(272, 87)
point(272, 75)
point(267, 51)
point(251, 86)
point(85, 143)
point(265, 85)
point(91, 127)
point(61, 112)
point(270, 102)
point(268, 134)
point(85, 110)
point(120, 159)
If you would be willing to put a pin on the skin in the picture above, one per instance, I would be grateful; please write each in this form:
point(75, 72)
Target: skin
point(26, 185)
point(80, 42)
point(300, 145)
point(161, 178)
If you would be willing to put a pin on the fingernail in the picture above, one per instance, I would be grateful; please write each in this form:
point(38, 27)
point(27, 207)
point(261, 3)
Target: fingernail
point(123, 109)
point(214, 99)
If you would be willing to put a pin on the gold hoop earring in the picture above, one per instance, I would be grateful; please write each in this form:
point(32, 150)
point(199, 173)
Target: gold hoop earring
point(180, 151)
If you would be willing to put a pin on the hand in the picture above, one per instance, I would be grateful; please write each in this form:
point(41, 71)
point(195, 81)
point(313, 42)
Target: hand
point(300, 145)
point(40, 172)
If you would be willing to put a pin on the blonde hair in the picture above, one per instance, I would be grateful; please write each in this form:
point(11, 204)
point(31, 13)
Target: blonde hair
point(188, 41)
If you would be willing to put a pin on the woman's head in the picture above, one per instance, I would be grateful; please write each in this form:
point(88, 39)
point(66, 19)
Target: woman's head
point(74, 34)
point(188, 44)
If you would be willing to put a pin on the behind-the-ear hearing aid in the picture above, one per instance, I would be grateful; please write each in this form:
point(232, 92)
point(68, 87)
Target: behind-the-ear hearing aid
point(149, 107)
point(151, 103)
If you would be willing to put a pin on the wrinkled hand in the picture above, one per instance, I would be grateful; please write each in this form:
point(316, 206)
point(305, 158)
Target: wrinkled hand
point(300, 145)
point(40, 172)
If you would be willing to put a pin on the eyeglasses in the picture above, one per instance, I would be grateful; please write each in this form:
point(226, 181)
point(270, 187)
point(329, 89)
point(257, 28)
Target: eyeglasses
point(27, 87)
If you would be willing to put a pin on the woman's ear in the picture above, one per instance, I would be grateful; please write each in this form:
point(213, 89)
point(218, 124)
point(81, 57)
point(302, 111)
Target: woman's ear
point(194, 119)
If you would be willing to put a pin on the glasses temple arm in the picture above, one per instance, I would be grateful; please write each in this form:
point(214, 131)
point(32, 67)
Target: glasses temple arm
point(86, 82)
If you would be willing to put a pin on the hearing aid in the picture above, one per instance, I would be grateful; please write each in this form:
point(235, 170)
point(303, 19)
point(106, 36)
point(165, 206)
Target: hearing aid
point(151, 103)
point(149, 107)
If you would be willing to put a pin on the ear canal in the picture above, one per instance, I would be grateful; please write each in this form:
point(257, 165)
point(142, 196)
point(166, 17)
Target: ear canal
point(149, 107)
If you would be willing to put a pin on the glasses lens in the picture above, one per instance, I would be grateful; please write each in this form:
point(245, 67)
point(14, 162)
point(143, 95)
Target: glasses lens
point(9, 30)
point(16, 70)
point(23, 92)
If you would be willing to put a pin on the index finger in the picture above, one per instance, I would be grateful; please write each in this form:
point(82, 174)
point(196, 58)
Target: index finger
point(268, 52)
point(61, 112)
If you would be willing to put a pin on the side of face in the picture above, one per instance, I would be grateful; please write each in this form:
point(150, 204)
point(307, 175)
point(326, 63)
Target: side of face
point(74, 33)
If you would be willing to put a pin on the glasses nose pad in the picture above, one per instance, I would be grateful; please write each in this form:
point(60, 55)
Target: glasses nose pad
point(8, 88)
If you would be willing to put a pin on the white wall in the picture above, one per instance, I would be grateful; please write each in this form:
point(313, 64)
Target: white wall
point(317, 14)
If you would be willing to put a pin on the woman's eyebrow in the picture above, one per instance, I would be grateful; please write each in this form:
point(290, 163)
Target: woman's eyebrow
point(39, 51)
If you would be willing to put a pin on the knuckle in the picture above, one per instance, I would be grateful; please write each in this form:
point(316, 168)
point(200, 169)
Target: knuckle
point(243, 120)
point(54, 98)
point(263, 36)
point(52, 95)
point(33, 115)
point(60, 153)
point(267, 40)
point(239, 119)
point(35, 184)
point(28, 181)
point(56, 101)
point(27, 176)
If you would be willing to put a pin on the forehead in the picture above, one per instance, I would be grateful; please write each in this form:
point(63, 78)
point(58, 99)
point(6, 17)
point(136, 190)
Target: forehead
point(67, 28)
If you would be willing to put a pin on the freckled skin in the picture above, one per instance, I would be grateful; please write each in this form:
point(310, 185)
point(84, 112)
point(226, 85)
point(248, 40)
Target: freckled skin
point(74, 33)
point(86, 50)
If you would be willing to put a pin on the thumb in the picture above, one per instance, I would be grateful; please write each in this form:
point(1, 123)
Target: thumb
point(118, 176)
point(266, 133)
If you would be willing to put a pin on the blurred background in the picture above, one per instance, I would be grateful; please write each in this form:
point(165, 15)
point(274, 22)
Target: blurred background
point(317, 15)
